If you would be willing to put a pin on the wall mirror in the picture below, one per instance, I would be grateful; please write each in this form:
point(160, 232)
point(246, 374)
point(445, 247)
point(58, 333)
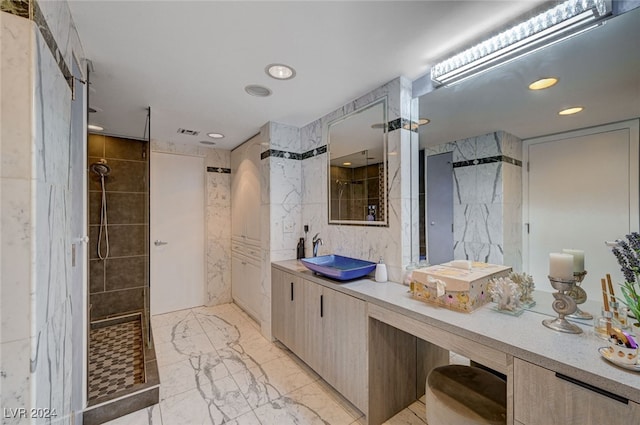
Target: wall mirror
point(599, 70)
point(357, 155)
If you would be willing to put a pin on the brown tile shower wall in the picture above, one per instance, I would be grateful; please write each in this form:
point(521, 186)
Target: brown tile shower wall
point(119, 284)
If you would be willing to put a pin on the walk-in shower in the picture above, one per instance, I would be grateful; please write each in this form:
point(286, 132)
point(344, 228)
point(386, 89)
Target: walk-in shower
point(102, 169)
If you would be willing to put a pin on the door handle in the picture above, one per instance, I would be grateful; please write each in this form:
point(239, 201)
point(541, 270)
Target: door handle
point(321, 306)
point(159, 242)
point(291, 291)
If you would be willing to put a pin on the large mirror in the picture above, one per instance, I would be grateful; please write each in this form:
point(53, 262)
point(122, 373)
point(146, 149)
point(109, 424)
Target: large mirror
point(357, 148)
point(599, 70)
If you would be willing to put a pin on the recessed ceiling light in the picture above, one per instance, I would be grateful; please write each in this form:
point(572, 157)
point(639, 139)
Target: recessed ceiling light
point(280, 71)
point(256, 90)
point(543, 83)
point(424, 121)
point(215, 135)
point(346, 164)
point(571, 111)
point(95, 127)
point(206, 142)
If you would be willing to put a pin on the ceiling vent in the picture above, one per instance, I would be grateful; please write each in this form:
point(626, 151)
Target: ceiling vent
point(256, 90)
point(188, 132)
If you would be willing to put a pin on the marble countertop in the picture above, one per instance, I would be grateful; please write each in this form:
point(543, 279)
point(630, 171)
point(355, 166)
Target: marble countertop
point(523, 337)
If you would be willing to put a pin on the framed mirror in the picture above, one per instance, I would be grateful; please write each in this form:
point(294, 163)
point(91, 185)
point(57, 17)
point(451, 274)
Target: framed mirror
point(357, 161)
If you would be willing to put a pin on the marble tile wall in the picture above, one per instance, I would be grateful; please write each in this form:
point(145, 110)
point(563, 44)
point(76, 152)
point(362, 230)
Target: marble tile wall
point(394, 243)
point(281, 210)
point(217, 215)
point(487, 210)
point(38, 312)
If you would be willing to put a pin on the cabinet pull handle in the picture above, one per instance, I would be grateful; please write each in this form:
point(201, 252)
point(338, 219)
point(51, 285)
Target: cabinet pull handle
point(291, 291)
point(321, 306)
point(592, 388)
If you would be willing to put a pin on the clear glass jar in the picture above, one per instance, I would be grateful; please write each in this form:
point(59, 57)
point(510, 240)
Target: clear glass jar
point(603, 323)
point(623, 318)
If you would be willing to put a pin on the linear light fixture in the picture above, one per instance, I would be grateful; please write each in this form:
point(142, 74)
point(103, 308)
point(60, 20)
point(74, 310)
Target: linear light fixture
point(556, 23)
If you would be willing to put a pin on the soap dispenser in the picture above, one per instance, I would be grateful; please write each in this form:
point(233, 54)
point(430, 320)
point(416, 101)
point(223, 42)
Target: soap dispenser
point(300, 249)
point(381, 272)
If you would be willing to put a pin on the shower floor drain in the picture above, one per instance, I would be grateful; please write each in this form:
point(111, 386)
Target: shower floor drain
point(116, 361)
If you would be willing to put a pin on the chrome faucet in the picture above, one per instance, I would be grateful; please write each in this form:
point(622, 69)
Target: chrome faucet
point(316, 243)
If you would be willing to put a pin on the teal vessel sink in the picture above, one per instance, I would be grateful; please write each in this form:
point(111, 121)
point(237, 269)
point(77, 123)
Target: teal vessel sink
point(338, 267)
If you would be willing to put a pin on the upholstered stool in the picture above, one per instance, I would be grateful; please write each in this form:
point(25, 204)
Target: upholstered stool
point(464, 395)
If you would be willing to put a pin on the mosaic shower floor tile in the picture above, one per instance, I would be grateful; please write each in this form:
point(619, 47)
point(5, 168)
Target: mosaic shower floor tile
point(116, 360)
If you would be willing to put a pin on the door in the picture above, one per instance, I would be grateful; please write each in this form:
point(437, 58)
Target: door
point(582, 191)
point(177, 232)
point(440, 208)
point(78, 233)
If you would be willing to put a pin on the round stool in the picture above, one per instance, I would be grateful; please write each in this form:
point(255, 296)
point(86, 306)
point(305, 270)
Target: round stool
point(465, 395)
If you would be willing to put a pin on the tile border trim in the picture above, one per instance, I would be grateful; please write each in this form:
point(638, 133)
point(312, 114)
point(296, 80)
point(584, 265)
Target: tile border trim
point(397, 124)
point(30, 9)
point(219, 170)
point(488, 160)
point(293, 155)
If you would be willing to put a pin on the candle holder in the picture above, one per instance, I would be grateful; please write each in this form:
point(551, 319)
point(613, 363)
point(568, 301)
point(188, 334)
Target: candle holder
point(580, 296)
point(564, 305)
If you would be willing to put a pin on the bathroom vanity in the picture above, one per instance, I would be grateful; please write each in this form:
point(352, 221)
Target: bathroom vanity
point(375, 344)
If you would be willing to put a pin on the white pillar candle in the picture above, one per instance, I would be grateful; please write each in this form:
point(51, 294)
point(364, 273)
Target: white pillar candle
point(561, 266)
point(578, 259)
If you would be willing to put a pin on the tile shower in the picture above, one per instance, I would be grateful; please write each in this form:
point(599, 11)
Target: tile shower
point(121, 358)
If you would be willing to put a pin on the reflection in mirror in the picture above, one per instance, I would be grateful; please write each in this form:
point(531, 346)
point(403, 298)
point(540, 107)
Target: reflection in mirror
point(357, 167)
point(489, 122)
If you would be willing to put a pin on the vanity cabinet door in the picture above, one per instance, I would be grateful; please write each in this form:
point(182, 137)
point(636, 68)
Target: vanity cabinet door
point(287, 310)
point(245, 192)
point(245, 284)
point(345, 349)
point(543, 398)
point(314, 340)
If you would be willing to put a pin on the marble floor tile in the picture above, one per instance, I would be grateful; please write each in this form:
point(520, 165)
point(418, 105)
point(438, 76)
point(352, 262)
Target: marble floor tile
point(182, 349)
point(167, 319)
point(315, 398)
point(215, 367)
point(187, 374)
point(272, 380)
point(184, 328)
point(408, 417)
point(216, 403)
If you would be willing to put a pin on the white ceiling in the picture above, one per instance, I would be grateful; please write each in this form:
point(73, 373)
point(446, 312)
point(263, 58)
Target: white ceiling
point(190, 60)
point(598, 70)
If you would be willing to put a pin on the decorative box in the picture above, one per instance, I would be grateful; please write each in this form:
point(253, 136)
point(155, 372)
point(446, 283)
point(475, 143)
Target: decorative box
point(461, 289)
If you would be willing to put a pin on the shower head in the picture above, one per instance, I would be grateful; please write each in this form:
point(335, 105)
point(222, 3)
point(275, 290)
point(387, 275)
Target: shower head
point(101, 168)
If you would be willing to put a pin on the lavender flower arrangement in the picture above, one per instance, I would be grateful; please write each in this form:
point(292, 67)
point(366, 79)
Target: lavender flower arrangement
point(627, 253)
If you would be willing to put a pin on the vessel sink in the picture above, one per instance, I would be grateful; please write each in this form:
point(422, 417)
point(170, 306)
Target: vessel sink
point(338, 267)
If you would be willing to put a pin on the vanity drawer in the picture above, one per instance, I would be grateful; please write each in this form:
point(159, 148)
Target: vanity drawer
point(543, 397)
